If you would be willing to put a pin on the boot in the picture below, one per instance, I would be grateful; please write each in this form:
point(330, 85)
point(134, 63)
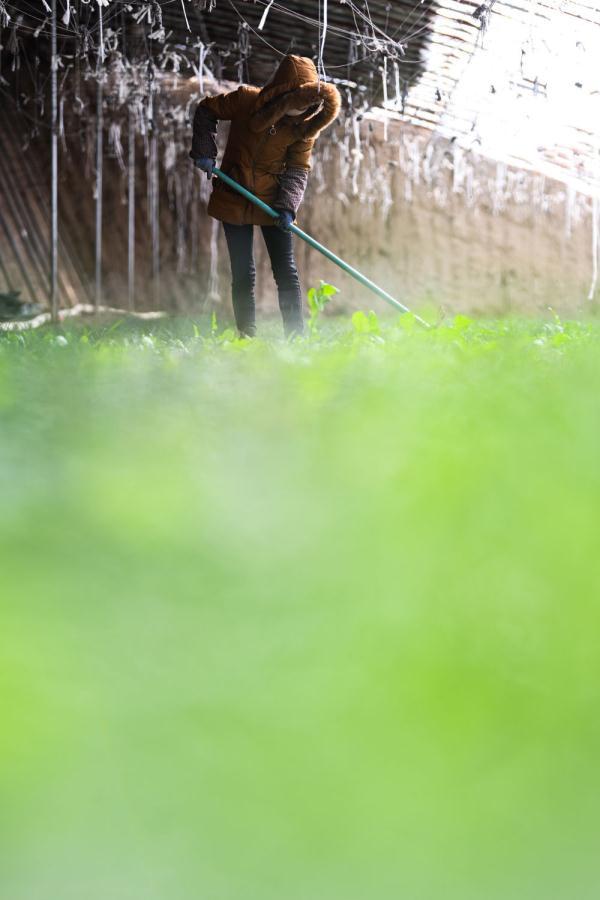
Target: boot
point(290, 304)
point(244, 310)
point(247, 332)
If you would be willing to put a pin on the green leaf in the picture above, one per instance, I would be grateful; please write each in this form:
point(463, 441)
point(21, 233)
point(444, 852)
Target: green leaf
point(328, 290)
point(374, 323)
point(229, 334)
point(114, 326)
point(407, 321)
point(461, 323)
point(360, 322)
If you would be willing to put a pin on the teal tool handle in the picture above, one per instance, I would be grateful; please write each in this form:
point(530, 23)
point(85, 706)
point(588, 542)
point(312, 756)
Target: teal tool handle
point(362, 279)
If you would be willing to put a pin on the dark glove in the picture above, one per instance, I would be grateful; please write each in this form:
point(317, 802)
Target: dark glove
point(206, 164)
point(285, 219)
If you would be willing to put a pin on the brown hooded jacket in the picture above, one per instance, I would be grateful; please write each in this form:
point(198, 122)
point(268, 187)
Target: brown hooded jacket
point(268, 152)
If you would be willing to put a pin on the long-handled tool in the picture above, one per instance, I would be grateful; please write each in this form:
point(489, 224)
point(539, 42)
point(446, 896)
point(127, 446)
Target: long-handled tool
point(317, 246)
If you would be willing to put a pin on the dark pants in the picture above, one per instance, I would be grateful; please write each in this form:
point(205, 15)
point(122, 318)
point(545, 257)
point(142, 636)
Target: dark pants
point(281, 253)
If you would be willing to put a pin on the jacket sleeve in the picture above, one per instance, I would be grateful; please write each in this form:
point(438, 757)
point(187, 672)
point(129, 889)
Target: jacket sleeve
point(292, 182)
point(204, 126)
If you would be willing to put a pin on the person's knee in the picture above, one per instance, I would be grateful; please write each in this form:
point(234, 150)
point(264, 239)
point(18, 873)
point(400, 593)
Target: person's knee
point(244, 277)
point(286, 277)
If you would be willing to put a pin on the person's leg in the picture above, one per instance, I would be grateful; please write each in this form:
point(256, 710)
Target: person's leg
point(243, 275)
point(281, 253)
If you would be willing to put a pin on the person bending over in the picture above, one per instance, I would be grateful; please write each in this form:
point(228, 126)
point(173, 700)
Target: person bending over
point(273, 130)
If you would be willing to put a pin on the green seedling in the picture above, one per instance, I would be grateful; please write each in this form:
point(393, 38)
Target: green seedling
point(318, 298)
point(366, 324)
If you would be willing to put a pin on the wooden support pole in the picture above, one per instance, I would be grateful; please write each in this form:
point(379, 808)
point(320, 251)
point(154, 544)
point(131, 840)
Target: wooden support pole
point(154, 176)
point(99, 160)
point(131, 212)
point(54, 175)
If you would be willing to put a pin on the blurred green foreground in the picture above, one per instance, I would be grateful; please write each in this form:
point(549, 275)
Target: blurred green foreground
point(300, 622)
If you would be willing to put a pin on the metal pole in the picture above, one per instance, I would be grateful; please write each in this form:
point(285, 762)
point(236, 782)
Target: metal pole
point(131, 213)
point(99, 128)
point(358, 276)
point(155, 187)
point(54, 176)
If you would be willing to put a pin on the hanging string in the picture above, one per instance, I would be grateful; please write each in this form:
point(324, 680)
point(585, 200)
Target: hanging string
point(185, 15)
point(355, 38)
point(14, 41)
point(319, 46)
point(201, 56)
point(4, 15)
point(322, 36)
point(244, 51)
point(385, 96)
point(101, 31)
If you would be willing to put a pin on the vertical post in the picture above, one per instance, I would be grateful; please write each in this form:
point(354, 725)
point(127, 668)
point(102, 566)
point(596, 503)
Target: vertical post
point(595, 243)
point(99, 134)
point(54, 178)
point(154, 176)
point(131, 212)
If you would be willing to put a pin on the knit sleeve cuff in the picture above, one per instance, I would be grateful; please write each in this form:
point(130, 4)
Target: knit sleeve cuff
point(204, 134)
point(292, 185)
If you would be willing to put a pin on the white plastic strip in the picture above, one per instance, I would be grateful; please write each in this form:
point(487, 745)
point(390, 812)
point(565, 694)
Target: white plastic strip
point(185, 15)
point(263, 18)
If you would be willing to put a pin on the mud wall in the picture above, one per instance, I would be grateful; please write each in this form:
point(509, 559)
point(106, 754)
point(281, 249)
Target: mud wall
point(436, 225)
point(446, 228)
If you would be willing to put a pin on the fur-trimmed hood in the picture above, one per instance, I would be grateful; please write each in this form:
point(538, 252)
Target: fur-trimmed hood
point(296, 84)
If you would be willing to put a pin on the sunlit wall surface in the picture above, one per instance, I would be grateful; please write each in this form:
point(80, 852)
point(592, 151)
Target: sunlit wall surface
point(521, 84)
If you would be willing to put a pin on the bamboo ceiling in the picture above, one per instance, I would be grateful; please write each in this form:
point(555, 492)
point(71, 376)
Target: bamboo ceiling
point(517, 81)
